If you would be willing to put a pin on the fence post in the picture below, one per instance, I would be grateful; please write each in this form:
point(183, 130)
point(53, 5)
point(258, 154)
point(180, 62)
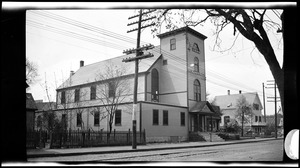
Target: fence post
point(128, 136)
point(114, 135)
point(144, 136)
point(51, 139)
point(83, 138)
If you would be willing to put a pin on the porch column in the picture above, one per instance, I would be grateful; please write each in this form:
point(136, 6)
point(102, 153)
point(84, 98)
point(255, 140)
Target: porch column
point(211, 124)
point(198, 122)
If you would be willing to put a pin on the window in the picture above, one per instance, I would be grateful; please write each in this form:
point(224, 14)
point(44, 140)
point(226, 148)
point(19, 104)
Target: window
point(259, 119)
point(77, 92)
point(155, 117)
point(118, 118)
point(165, 117)
point(182, 118)
point(63, 97)
point(79, 119)
point(165, 62)
point(154, 85)
point(196, 64)
point(93, 92)
point(197, 90)
point(96, 118)
point(226, 120)
point(173, 44)
point(111, 89)
point(256, 118)
point(196, 48)
point(255, 106)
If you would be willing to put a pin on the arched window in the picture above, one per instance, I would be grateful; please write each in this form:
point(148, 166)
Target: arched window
point(196, 48)
point(154, 85)
point(197, 90)
point(196, 64)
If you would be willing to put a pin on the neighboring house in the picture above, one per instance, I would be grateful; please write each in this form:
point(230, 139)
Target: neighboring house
point(42, 107)
point(30, 112)
point(171, 91)
point(227, 103)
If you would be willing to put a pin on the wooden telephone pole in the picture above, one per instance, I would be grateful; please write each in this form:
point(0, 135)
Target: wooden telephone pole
point(273, 84)
point(139, 55)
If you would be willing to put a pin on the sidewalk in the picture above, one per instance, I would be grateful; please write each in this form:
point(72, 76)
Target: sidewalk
point(33, 153)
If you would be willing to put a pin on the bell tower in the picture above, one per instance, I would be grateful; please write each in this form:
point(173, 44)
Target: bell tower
point(183, 67)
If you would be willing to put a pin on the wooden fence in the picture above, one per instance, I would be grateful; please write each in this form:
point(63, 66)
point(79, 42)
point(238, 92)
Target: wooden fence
point(88, 138)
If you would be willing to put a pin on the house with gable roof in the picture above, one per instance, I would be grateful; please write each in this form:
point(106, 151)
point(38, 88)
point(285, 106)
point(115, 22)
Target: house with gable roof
point(227, 104)
point(171, 91)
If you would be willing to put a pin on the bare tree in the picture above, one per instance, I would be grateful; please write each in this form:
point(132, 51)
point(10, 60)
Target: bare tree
point(31, 72)
point(244, 111)
point(113, 90)
point(252, 24)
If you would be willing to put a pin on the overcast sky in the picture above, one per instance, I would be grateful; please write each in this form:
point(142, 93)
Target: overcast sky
point(58, 39)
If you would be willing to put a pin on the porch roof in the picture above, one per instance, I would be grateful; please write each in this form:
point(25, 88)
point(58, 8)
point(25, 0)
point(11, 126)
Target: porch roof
point(205, 108)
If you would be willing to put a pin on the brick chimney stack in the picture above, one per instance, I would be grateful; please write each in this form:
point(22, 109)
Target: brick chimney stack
point(81, 63)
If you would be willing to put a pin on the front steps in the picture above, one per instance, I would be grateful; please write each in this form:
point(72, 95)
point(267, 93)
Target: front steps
point(205, 136)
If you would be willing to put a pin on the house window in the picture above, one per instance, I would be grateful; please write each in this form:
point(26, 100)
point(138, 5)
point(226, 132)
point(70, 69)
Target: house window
point(256, 118)
point(182, 118)
point(196, 64)
point(196, 48)
point(79, 119)
point(111, 89)
point(154, 85)
point(255, 106)
point(77, 92)
point(96, 118)
point(63, 97)
point(155, 117)
point(165, 117)
point(165, 62)
point(173, 44)
point(93, 92)
point(259, 119)
point(226, 120)
point(118, 117)
point(197, 90)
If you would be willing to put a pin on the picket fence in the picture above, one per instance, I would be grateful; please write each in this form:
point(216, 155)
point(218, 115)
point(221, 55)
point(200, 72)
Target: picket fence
point(82, 138)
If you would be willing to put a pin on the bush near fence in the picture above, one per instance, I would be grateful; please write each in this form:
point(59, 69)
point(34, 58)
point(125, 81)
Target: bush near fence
point(89, 138)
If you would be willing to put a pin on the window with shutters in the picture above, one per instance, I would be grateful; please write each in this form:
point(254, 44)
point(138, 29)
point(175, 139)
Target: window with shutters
point(173, 44)
point(118, 117)
point(93, 93)
point(165, 117)
point(155, 117)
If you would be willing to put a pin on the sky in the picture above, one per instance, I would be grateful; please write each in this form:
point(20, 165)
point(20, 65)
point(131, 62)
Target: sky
point(57, 40)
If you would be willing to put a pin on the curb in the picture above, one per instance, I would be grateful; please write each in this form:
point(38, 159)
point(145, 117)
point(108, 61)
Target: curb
point(141, 150)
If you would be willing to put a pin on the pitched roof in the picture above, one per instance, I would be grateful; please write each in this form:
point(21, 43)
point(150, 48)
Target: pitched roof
point(30, 104)
point(183, 29)
point(45, 106)
point(88, 73)
point(204, 107)
point(229, 101)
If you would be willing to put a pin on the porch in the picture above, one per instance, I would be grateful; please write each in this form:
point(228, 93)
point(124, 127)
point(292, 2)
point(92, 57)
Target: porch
point(204, 117)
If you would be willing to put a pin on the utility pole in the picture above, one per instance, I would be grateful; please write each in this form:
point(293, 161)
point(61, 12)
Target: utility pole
point(275, 100)
point(264, 102)
point(139, 55)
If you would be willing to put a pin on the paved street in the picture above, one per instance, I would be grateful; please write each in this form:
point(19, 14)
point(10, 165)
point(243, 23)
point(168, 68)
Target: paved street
point(256, 151)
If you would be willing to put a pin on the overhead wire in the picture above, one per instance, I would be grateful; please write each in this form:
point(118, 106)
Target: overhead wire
point(131, 40)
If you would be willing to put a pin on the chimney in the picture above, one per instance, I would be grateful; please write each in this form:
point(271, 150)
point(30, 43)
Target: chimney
point(240, 92)
point(71, 73)
point(81, 63)
point(228, 91)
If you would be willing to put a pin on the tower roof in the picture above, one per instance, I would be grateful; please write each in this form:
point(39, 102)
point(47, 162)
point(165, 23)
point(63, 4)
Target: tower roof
point(183, 29)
